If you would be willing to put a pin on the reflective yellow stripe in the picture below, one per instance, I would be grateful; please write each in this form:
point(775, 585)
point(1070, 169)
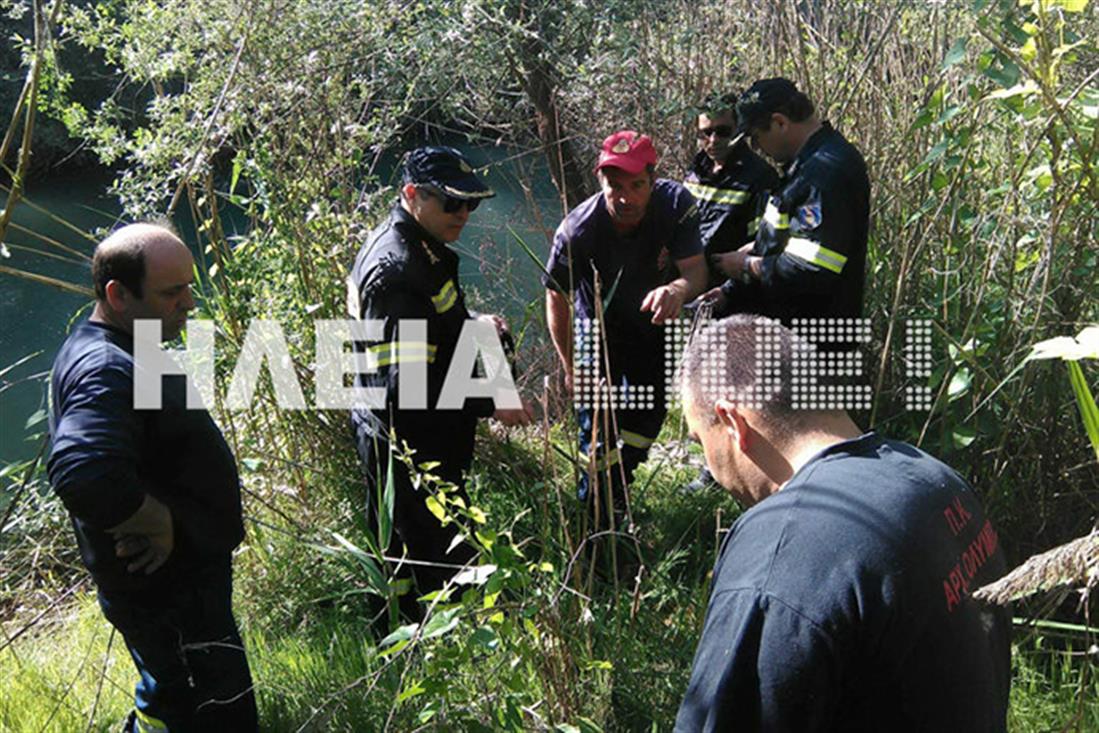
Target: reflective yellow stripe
point(715, 194)
point(776, 219)
point(401, 352)
point(445, 299)
point(609, 459)
point(148, 724)
point(636, 440)
point(753, 226)
point(813, 252)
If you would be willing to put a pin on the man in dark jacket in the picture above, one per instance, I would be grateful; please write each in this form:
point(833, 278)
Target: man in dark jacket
point(732, 185)
point(153, 494)
point(809, 256)
point(841, 599)
point(406, 277)
point(729, 181)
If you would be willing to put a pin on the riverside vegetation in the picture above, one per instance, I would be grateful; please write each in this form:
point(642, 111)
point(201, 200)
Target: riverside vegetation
point(978, 121)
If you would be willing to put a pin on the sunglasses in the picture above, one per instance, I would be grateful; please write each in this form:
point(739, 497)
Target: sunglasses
point(452, 205)
point(717, 131)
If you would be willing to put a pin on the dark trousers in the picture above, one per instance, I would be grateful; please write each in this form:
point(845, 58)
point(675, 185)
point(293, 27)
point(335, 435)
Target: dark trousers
point(188, 652)
point(427, 541)
point(613, 446)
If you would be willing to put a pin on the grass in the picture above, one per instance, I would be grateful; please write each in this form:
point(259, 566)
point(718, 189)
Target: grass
point(1053, 690)
point(514, 653)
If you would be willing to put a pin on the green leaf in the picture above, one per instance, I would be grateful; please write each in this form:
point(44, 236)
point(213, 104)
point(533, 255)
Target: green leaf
point(955, 54)
point(1071, 6)
point(589, 726)
point(428, 712)
point(442, 623)
point(38, 417)
point(948, 114)
point(1041, 176)
point(436, 508)
point(1085, 401)
point(1084, 346)
point(1006, 74)
point(1029, 50)
point(959, 384)
point(238, 165)
point(923, 119)
point(476, 575)
point(403, 633)
point(485, 636)
point(963, 435)
point(1019, 90)
point(385, 516)
point(411, 691)
point(1025, 259)
point(375, 577)
point(251, 465)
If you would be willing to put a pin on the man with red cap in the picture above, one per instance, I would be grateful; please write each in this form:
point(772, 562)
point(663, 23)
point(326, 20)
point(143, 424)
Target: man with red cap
point(615, 254)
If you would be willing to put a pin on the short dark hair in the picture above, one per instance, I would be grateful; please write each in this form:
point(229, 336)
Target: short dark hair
point(123, 261)
point(122, 258)
point(797, 108)
point(724, 360)
point(718, 103)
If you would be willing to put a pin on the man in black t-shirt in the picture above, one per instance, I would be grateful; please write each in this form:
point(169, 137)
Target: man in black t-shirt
point(841, 597)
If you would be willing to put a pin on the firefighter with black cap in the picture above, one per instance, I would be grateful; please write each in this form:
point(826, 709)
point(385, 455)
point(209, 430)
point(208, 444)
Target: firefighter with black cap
point(809, 256)
point(406, 272)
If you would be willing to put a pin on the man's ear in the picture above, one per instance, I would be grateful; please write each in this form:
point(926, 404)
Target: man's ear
point(408, 190)
point(733, 422)
point(118, 295)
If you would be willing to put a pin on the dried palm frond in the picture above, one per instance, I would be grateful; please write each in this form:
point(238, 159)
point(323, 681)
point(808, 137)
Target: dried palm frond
point(1075, 564)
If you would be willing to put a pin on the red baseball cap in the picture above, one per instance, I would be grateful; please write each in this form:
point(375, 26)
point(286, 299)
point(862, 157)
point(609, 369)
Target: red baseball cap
point(627, 150)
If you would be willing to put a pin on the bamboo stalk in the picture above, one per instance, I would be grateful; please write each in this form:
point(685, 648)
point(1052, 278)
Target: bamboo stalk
point(16, 190)
point(47, 280)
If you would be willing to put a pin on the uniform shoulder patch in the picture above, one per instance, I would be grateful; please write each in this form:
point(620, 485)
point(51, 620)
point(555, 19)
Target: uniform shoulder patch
point(809, 215)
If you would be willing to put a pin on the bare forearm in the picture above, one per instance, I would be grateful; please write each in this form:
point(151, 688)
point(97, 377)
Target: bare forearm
point(560, 326)
point(693, 276)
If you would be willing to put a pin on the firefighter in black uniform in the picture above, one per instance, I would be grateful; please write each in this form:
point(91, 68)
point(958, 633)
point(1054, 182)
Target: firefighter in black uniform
point(405, 272)
point(809, 256)
point(729, 182)
point(731, 185)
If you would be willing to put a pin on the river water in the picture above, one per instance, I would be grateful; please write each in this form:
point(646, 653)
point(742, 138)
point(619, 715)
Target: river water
point(35, 317)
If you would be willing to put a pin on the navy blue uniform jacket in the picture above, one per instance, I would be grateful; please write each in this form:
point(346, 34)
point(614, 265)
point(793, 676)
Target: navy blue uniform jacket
point(813, 235)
